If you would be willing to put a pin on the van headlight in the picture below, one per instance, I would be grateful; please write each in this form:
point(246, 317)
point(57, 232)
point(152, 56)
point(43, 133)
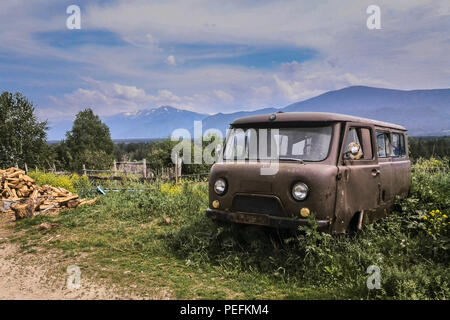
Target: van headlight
point(300, 191)
point(220, 186)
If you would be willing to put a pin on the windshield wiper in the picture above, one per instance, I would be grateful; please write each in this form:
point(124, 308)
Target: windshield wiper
point(285, 159)
point(292, 159)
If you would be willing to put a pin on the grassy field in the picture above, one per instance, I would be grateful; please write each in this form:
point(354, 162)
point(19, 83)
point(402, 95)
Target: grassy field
point(158, 239)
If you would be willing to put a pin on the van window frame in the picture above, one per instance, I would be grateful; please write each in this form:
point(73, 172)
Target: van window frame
point(401, 135)
point(388, 134)
point(287, 124)
point(371, 128)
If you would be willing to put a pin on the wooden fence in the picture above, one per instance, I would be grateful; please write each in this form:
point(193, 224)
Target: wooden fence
point(139, 170)
point(125, 170)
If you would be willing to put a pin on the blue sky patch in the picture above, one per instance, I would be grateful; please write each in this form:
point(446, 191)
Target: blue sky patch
point(249, 56)
point(70, 38)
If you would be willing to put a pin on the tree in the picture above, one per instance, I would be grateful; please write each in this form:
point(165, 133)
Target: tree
point(63, 157)
point(89, 142)
point(22, 136)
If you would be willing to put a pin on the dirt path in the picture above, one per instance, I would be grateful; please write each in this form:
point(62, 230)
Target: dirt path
point(40, 274)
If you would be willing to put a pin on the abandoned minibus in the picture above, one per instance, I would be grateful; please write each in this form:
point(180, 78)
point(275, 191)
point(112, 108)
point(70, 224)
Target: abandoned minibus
point(277, 169)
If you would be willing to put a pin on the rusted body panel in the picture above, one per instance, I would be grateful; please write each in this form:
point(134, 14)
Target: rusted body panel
point(244, 179)
point(340, 189)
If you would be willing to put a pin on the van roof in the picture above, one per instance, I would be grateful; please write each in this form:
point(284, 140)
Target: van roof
point(313, 117)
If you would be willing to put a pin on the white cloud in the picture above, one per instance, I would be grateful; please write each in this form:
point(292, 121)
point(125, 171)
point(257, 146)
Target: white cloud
point(112, 98)
point(410, 52)
point(313, 84)
point(294, 90)
point(224, 96)
point(171, 61)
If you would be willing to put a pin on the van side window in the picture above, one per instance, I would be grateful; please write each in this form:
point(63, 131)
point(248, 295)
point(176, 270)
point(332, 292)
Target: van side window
point(383, 144)
point(362, 137)
point(352, 136)
point(398, 145)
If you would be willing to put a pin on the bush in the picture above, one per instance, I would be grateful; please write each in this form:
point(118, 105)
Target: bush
point(73, 183)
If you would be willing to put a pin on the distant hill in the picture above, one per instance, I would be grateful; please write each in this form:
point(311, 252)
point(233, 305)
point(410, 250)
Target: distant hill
point(145, 124)
point(222, 120)
point(151, 123)
point(422, 112)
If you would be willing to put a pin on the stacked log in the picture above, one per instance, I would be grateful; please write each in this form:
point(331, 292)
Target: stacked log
point(26, 199)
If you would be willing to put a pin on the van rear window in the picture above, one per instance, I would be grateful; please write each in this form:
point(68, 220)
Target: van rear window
point(383, 144)
point(398, 145)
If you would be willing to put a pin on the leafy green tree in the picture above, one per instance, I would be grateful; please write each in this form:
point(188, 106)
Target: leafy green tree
point(157, 153)
point(89, 143)
point(426, 147)
point(63, 157)
point(22, 136)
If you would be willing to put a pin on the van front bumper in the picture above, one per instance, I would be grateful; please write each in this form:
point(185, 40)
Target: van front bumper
point(261, 219)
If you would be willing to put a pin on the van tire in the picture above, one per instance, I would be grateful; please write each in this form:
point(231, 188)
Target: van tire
point(353, 225)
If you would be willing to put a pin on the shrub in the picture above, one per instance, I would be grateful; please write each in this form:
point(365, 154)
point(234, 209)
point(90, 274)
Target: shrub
point(73, 183)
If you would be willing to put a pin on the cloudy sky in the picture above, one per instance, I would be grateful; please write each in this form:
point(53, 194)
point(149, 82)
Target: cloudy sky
point(215, 56)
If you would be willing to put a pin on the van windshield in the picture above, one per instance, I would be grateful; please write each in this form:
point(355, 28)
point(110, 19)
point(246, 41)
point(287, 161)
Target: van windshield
point(294, 144)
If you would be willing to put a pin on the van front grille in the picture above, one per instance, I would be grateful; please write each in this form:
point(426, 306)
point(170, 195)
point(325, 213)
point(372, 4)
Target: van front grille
point(257, 204)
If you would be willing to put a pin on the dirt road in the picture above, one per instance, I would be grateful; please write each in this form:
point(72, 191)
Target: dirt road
point(40, 274)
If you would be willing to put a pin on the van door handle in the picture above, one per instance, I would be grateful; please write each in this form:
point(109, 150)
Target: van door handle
point(375, 172)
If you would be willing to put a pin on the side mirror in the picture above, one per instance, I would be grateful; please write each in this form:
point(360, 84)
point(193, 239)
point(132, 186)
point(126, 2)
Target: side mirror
point(354, 151)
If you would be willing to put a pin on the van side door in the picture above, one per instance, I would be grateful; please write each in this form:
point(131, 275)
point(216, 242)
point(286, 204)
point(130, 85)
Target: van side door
point(401, 166)
point(384, 153)
point(358, 185)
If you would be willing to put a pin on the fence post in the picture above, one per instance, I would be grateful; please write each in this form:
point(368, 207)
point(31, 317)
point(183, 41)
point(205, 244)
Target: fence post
point(176, 168)
point(179, 166)
point(115, 167)
point(144, 168)
point(84, 169)
point(26, 168)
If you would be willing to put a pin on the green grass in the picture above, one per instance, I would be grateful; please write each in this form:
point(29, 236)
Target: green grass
point(127, 238)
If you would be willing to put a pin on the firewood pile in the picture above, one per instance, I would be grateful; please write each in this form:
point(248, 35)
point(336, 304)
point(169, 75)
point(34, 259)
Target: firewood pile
point(21, 195)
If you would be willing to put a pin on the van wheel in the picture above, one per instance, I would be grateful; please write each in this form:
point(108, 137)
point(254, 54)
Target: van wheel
point(353, 226)
point(409, 192)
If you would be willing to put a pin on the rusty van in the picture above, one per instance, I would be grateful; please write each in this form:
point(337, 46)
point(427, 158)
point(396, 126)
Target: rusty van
point(345, 170)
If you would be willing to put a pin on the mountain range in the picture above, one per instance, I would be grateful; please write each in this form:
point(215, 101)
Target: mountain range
point(422, 112)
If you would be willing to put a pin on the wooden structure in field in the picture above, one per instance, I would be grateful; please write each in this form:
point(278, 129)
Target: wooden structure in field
point(122, 170)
